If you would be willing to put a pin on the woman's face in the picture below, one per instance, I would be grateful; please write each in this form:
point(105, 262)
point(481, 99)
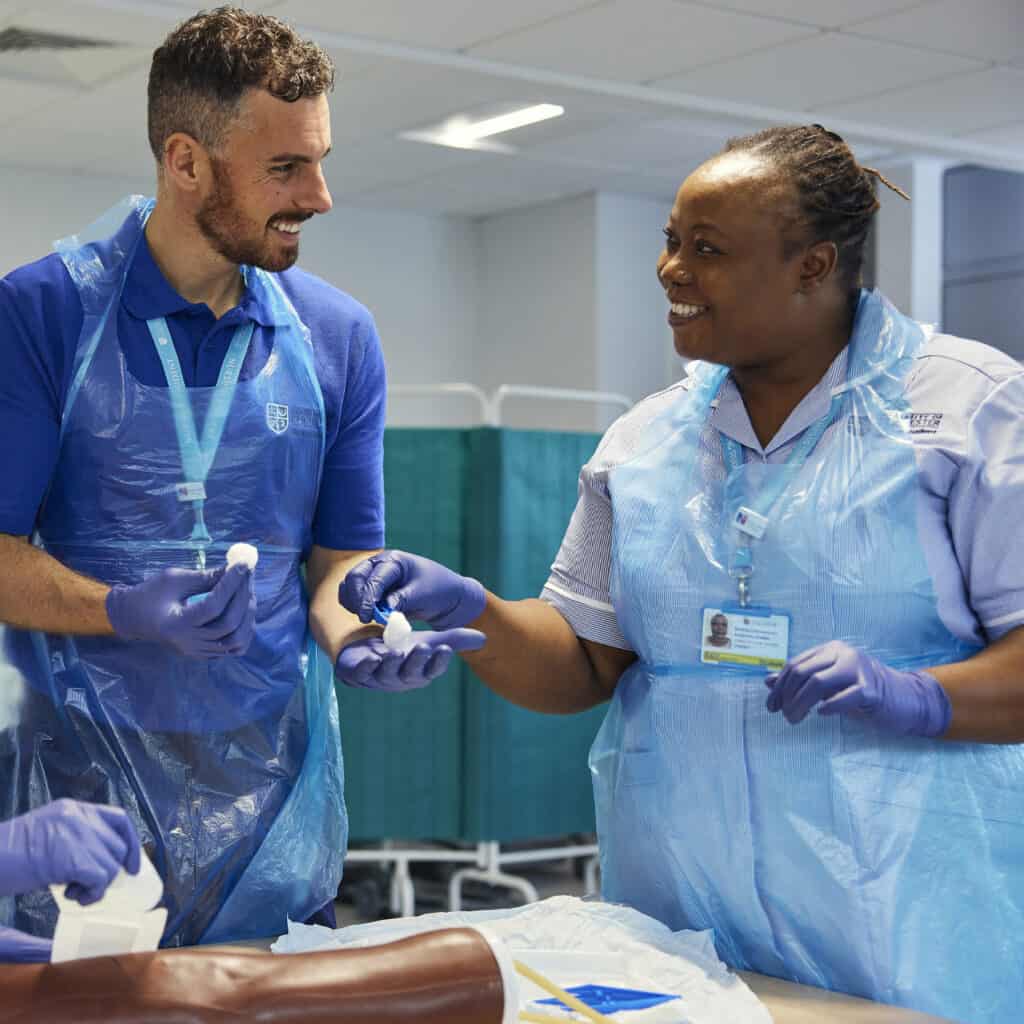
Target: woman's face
point(733, 294)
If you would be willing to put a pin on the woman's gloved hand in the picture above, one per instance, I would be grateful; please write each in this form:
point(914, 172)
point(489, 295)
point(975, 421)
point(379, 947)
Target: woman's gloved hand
point(417, 587)
point(370, 664)
point(21, 948)
point(158, 609)
point(845, 681)
point(84, 845)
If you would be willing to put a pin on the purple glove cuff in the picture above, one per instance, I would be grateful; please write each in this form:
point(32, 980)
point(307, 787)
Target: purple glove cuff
point(934, 707)
point(115, 605)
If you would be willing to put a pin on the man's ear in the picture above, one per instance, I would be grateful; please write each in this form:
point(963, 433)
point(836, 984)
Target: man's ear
point(186, 163)
point(817, 265)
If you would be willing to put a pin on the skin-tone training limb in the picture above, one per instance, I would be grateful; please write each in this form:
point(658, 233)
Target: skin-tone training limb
point(331, 625)
point(445, 977)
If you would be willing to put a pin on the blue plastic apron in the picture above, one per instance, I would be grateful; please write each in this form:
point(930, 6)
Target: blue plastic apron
point(230, 767)
point(827, 853)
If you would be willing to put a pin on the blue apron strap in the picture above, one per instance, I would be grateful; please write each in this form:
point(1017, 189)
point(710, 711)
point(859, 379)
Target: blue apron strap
point(196, 456)
point(752, 520)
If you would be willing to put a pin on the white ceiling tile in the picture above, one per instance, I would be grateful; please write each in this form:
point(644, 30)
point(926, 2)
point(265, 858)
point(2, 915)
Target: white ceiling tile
point(389, 162)
point(664, 145)
point(826, 13)
point(444, 24)
point(638, 40)
point(396, 96)
point(948, 107)
point(812, 72)
point(987, 29)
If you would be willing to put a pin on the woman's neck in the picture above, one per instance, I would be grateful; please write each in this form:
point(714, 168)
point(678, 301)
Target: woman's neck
point(771, 392)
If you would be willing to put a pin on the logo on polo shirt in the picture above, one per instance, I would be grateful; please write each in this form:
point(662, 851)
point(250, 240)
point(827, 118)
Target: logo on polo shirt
point(277, 417)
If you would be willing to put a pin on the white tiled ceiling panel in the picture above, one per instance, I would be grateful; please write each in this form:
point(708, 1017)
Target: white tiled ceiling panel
point(987, 29)
point(638, 40)
point(650, 87)
point(823, 69)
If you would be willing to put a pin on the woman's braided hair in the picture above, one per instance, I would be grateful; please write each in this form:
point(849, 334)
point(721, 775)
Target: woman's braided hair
point(836, 194)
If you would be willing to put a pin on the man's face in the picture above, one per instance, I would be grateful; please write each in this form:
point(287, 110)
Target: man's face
point(266, 180)
point(719, 626)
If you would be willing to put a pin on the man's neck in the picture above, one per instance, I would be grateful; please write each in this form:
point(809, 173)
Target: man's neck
point(191, 267)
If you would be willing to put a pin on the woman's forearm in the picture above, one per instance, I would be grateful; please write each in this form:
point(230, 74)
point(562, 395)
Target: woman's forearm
point(534, 659)
point(987, 692)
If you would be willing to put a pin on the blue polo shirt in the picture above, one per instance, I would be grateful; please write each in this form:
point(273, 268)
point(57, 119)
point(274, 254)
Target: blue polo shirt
point(40, 324)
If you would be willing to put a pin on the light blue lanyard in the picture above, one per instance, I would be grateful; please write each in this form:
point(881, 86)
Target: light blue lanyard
point(752, 520)
point(197, 455)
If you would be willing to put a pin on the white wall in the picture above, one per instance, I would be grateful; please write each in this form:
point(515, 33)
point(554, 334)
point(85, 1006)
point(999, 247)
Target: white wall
point(909, 238)
point(635, 353)
point(536, 307)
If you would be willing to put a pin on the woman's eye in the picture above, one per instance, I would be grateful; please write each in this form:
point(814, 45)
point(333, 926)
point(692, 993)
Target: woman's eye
point(670, 240)
point(704, 248)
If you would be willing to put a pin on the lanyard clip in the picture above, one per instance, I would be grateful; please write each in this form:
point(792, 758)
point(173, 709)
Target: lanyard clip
point(741, 568)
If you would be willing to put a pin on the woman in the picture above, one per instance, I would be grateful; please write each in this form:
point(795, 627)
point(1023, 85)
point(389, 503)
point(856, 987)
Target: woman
point(842, 483)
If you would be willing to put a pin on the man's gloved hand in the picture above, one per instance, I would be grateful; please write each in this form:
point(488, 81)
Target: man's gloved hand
point(159, 610)
point(845, 681)
point(417, 587)
point(370, 664)
point(21, 948)
point(81, 844)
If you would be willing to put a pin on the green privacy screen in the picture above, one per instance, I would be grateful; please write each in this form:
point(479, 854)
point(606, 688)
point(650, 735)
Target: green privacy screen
point(453, 761)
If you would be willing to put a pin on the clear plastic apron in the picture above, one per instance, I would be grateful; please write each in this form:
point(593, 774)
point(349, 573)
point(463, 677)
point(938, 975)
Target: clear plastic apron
point(230, 767)
point(828, 853)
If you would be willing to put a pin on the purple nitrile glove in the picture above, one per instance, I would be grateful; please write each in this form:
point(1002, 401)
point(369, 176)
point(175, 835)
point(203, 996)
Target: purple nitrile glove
point(845, 681)
point(417, 587)
point(374, 666)
point(84, 845)
point(159, 610)
point(21, 948)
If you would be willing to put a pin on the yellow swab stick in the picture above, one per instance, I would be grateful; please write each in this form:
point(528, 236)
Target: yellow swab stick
point(552, 989)
point(540, 1018)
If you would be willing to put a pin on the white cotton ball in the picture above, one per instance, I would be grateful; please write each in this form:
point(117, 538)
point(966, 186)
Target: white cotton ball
point(398, 633)
point(245, 554)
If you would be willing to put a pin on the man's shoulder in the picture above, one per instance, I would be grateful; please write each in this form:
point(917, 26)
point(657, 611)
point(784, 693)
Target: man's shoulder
point(319, 302)
point(47, 274)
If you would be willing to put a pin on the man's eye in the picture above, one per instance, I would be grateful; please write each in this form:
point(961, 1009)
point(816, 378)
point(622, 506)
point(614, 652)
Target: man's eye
point(704, 248)
point(283, 169)
point(670, 240)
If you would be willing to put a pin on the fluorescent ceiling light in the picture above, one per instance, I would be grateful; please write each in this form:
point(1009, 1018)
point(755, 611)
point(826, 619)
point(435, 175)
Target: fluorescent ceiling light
point(462, 133)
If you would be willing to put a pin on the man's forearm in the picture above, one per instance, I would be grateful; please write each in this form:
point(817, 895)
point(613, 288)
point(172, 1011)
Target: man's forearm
point(38, 592)
point(533, 658)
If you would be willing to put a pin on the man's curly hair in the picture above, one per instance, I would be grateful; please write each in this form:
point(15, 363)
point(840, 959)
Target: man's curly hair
point(201, 70)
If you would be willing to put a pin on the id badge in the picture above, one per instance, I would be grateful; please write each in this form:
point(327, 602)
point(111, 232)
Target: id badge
point(754, 637)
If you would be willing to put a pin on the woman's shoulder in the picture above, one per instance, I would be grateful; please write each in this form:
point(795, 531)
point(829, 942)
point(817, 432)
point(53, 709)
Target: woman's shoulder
point(623, 438)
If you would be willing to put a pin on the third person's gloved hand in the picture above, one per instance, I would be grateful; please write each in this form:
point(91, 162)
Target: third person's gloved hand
point(83, 845)
point(418, 587)
point(159, 610)
point(20, 948)
point(374, 666)
point(845, 681)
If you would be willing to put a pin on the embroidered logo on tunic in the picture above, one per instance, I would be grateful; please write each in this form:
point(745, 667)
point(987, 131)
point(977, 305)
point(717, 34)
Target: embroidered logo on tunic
point(277, 417)
point(923, 422)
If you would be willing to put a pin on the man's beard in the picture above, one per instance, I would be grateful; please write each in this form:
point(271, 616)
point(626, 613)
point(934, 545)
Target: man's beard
point(224, 225)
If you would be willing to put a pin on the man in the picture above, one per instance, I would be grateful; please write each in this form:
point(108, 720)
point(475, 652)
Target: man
point(171, 385)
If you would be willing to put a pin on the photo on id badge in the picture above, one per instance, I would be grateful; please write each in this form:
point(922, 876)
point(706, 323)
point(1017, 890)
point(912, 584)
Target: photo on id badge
point(751, 637)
